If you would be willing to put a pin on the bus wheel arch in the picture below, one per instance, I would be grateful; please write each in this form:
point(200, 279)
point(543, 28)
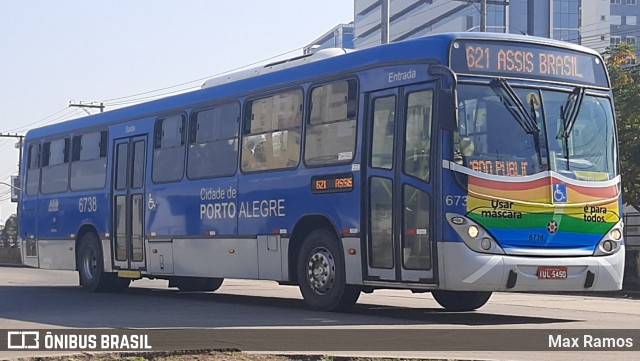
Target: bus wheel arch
point(301, 230)
point(320, 270)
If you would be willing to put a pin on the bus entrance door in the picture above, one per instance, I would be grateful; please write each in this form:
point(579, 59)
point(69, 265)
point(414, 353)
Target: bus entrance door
point(399, 246)
point(128, 203)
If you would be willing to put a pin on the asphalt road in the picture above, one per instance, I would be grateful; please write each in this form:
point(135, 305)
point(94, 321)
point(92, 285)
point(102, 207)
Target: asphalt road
point(31, 298)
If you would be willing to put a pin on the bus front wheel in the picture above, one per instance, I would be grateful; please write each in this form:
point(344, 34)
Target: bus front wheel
point(458, 301)
point(321, 273)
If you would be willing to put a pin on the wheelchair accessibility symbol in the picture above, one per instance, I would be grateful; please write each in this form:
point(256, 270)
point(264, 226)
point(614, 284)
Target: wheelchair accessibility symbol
point(560, 193)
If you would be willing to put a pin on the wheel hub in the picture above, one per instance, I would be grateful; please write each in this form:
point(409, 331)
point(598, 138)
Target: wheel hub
point(90, 264)
point(321, 271)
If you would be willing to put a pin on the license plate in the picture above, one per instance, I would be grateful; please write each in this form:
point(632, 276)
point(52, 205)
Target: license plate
point(552, 273)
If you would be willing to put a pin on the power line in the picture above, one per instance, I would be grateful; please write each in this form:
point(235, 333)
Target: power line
point(82, 106)
point(593, 38)
point(9, 172)
point(429, 8)
point(18, 145)
point(107, 102)
point(111, 102)
point(38, 121)
point(70, 112)
point(483, 10)
point(432, 8)
point(115, 102)
point(151, 97)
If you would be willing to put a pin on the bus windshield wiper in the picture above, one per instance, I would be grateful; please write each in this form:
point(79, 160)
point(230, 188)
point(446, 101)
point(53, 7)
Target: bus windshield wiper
point(569, 112)
point(510, 99)
point(536, 138)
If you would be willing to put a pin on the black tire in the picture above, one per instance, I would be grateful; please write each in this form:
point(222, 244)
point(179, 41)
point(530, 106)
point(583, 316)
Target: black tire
point(321, 273)
point(196, 284)
point(91, 268)
point(459, 301)
point(91, 265)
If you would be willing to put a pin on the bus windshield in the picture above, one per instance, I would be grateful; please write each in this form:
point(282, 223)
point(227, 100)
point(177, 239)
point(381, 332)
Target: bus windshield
point(517, 131)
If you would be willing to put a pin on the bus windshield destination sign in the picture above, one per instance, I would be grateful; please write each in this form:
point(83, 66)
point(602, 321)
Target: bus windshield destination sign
point(527, 61)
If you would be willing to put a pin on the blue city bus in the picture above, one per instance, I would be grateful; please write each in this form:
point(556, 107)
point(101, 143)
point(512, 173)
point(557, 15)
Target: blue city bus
point(458, 164)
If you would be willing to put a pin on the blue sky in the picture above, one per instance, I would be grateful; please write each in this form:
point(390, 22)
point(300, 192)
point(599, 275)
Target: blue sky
point(53, 52)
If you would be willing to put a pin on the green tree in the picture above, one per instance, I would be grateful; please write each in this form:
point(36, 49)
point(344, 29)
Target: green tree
point(10, 231)
point(625, 79)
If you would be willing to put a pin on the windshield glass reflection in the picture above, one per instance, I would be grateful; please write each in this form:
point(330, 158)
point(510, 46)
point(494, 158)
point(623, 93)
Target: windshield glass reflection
point(492, 139)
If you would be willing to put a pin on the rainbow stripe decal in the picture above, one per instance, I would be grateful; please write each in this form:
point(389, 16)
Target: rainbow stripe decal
point(546, 210)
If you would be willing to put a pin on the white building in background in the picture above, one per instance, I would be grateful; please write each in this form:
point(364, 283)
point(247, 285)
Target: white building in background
point(585, 22)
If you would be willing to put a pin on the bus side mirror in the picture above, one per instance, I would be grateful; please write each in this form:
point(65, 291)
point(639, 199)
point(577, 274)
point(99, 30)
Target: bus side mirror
point(447, 99)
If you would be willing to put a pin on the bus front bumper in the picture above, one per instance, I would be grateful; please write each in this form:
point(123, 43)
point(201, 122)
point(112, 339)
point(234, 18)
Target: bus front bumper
point(462, 269)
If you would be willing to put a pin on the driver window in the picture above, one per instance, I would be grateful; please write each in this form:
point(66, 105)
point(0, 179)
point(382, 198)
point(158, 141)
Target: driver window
point(472, 135)
point(587, 147)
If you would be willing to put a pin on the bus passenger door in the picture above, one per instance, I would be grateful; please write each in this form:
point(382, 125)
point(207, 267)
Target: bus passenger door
point(399, 211)
point(129, 155)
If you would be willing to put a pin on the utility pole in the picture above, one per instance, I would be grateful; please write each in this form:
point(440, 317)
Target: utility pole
point(82, 106)
point(483, 9)
point(14, 135)
point(483, 16)
point(385, 25)
point(19, 145)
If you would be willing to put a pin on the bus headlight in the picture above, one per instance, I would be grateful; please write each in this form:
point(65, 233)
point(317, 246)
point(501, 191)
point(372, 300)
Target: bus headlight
point(473, 235)
point(473, 231)
point(611, 242)
point(616, 234)
point(607, 247)
point(485, 243)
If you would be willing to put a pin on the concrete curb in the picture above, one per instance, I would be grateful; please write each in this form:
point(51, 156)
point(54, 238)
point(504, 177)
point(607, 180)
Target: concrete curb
point(15, 265)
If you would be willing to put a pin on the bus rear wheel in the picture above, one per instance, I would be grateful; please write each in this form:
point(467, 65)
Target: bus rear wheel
point(91, 265)
point(458, 301)
point(196, 284)
point(321, 273)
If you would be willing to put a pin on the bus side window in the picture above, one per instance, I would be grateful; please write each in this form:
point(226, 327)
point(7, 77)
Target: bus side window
point(89, 161)
point(331, 134)
point(33, 170)
point(168, 149)
point(213, 143)
point(271, 137)
point(55, 166)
